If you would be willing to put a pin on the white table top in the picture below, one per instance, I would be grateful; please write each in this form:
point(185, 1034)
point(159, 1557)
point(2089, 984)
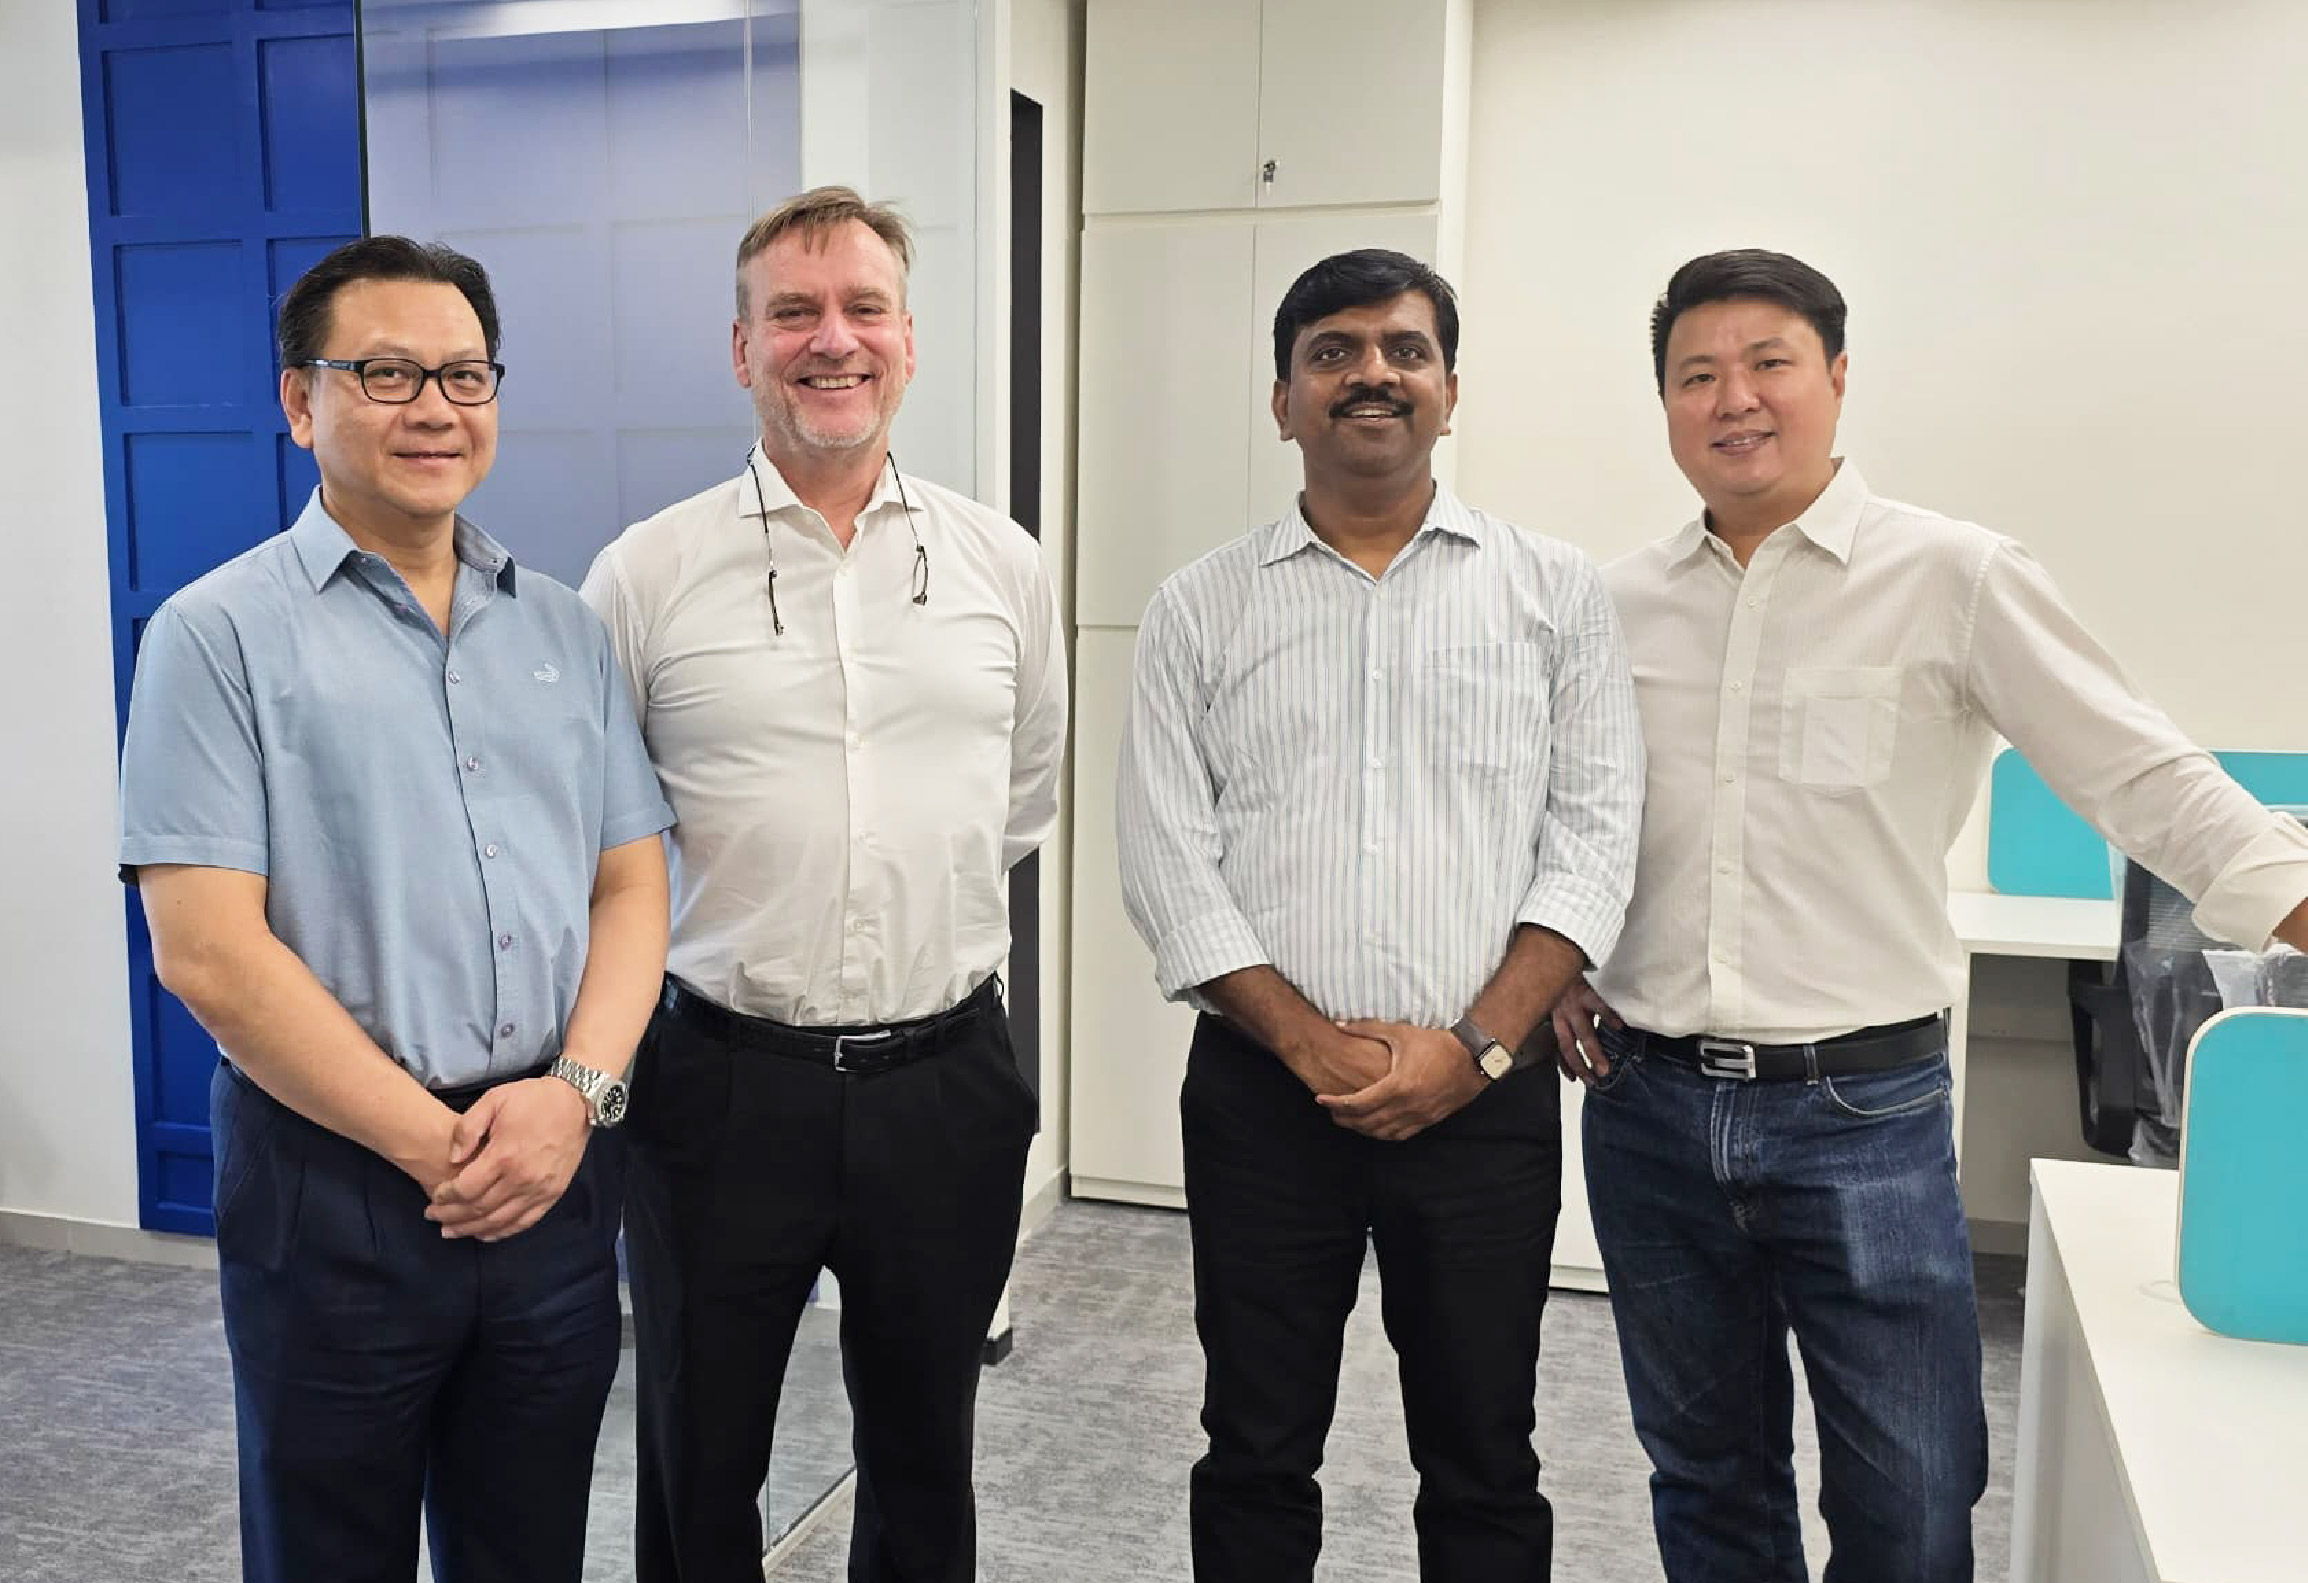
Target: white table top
point(1993, 924)
point(2212, 1433)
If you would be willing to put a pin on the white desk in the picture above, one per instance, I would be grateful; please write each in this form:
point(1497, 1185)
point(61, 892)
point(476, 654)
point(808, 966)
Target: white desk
point(2150, 1450)
point(1988, 924)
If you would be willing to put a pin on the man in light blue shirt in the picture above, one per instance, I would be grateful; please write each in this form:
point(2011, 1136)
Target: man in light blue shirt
point(1378, 804)
point(397, 839)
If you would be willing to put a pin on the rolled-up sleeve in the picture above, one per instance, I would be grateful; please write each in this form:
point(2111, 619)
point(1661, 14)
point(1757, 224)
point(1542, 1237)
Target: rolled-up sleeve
point(192, 784)
point(2122, 764)
point(1166, 818)
point(1588, 839)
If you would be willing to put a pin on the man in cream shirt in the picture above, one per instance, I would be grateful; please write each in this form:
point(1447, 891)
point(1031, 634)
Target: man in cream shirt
point(1822, 675)
point(852, 683)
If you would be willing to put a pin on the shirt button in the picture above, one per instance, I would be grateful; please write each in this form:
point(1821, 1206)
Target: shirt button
point(490, 850)
point(1738, 687)
point(1376, 762)
point(504, 1030)
point(1376, 672)
point(1370, 846)
point(856, 739)
point(1755, 604)
point(504, 942)
point(1730, 780)
point(472, 764)
point(454, 678)
point(1722, 868)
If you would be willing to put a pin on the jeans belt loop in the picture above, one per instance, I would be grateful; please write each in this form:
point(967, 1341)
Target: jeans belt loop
point(1727, 1058)
point(1810, 1063)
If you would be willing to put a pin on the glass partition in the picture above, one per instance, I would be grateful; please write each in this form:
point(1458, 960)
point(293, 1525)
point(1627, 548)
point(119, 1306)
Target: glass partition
point(602, 158)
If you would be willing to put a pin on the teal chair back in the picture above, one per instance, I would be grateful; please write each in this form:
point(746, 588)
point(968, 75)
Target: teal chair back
point(2244, 1176)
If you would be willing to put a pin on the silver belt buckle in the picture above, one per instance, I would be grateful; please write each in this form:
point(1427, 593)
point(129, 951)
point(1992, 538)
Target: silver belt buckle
point(1726, 1058)
point(843, 1041)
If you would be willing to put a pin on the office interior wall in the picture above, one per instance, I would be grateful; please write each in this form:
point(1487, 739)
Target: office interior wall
point(1044, 62)
point(2072, 237)
point(67, 1112)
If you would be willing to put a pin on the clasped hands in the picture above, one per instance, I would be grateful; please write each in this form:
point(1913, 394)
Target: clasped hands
point(509, 1159)
point(1389, 1080)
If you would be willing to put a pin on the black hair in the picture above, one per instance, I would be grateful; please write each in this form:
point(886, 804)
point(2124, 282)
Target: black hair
point(1747, 273)
point(1355, 280)
point(305, 307)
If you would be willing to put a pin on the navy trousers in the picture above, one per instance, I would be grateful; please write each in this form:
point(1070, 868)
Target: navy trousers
point(379, 1368)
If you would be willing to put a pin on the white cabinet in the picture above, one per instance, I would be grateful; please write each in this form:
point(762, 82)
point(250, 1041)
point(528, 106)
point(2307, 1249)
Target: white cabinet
point(1170, 112)
point(1163, 460)
point(1129, 1045)
point(1178, 451)
point(1235, 104)
point(1187, 249)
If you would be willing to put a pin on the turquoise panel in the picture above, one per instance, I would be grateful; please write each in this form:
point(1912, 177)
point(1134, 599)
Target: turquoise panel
point(2244, 1177)
point(2037, 847)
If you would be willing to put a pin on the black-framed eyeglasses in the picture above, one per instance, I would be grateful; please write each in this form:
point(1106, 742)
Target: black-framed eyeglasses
point(396, 381)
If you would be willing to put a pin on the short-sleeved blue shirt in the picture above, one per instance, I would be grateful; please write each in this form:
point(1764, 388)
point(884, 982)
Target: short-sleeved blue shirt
point(428, 811)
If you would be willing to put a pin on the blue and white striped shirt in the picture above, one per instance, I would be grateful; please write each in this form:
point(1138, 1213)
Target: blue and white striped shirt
point(1369, 782)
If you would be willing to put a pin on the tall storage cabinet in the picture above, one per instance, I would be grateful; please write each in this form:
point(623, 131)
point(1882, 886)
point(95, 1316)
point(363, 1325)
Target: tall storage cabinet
point(1227, 144)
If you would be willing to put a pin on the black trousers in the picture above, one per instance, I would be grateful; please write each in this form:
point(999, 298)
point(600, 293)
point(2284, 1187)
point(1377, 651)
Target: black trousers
point(379, 1369)
point(1281, 1201)
point(752, 1171)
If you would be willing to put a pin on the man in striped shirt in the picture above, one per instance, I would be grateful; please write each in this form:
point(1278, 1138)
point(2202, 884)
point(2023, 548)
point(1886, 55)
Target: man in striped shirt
point(1377, 808)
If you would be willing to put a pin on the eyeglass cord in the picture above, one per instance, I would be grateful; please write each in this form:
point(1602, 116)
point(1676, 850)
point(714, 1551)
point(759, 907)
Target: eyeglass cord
point(921, 595)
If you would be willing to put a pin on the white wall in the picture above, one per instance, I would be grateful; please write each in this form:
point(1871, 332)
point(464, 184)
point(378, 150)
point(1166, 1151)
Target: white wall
point(1044, 62)
point(67, 1117)
point(2074, 238)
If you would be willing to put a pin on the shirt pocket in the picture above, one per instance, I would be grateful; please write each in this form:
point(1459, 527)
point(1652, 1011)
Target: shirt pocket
point(1841, 725)
point(1489, 706)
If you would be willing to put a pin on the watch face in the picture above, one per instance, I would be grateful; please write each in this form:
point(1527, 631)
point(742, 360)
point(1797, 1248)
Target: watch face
point(1497, 1061)
point(609, 1110)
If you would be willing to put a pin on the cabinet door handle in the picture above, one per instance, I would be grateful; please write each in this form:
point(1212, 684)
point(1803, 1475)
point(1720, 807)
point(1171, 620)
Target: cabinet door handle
point(1266, 173)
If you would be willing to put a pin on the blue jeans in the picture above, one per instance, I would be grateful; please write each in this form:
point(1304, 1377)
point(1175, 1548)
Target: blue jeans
point(1732, 1212)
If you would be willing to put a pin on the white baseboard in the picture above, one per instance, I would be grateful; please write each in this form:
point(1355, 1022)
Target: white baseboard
point(841, 1498)
point(1999, 1236)
point(57, 1234)
point(1148, 1193)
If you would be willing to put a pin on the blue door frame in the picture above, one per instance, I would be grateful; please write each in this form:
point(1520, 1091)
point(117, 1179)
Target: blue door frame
point(224, 156)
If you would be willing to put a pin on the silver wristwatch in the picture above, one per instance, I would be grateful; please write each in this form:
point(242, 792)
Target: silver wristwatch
point(604, 1095)
point(1493, 1059)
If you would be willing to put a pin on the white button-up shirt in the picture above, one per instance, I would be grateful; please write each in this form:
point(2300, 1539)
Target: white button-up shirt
point(1369, 782)
point(1818, 726)
point(851, 794)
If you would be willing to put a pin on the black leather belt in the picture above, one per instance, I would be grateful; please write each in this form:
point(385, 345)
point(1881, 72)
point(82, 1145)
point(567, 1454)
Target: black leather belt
point(864, 1048)
point(1875, 1049)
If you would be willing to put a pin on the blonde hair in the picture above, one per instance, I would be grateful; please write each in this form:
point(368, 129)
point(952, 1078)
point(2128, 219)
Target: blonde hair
point(816, 215)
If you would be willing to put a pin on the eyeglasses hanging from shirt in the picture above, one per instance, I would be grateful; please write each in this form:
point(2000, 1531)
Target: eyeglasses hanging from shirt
point(921, 556)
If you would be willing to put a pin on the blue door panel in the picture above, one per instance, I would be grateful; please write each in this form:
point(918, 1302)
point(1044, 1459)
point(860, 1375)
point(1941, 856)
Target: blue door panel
point(223, 142)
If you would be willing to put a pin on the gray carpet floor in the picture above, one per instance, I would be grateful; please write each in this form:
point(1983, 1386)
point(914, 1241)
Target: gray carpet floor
point(116, 1429)
point(116, 1424)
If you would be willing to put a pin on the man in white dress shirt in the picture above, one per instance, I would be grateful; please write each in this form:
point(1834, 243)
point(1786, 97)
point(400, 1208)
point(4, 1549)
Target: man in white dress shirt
point(852, 682)
point(1383, 765)
point(1822, 674)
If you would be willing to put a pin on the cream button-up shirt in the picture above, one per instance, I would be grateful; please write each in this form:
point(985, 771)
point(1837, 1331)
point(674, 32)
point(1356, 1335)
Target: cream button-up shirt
point(1817, 726)
point(850, 793)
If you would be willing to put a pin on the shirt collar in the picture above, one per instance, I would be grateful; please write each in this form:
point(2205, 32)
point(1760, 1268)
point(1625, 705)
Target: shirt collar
point(1831, 521)
point(1446, 513)
point(777, 495)
point(322, 547)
